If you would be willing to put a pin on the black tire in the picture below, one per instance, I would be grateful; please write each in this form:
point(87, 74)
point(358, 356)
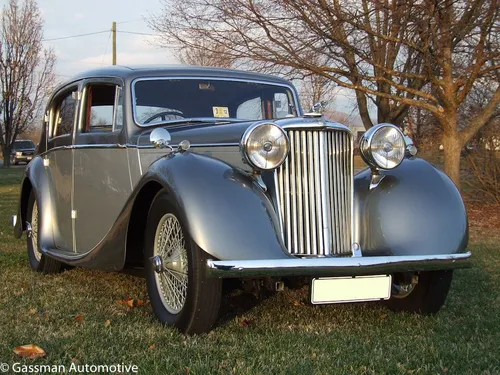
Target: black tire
point(38, 262)
point(427, 296)
point(202, 300)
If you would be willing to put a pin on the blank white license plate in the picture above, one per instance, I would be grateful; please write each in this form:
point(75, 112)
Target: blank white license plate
point(350, 289)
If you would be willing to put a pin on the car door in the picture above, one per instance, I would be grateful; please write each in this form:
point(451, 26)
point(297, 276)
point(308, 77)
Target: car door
point(102, 182)
point(59, 163)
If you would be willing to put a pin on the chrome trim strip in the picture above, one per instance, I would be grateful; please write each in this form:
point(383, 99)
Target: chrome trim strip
point(293, 192)
point(312, 206)
point(326, 229)
point(305, 184)
point(331, 266)
point(351, 192)
point(317, 125)
point(297, 107)
point(129, 145)
point(279, 199)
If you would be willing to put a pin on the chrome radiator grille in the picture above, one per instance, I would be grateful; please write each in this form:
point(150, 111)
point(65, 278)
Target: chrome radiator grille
point(314, 189)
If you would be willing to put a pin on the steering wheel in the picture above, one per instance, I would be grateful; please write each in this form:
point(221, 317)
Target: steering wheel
point(163, 116)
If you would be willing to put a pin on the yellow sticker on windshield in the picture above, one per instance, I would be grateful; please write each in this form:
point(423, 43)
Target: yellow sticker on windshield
point(220, 111)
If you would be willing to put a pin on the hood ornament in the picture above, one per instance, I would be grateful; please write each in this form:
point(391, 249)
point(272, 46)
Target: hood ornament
point(317, 109)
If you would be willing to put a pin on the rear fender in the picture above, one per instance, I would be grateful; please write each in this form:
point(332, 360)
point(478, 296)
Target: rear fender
point(37, 180)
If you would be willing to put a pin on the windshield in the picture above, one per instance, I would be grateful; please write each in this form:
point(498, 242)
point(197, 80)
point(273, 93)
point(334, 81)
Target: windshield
point(19, 145)
point(163, 100)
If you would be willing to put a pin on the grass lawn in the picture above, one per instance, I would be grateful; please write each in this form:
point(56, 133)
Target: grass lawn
point(76, 317)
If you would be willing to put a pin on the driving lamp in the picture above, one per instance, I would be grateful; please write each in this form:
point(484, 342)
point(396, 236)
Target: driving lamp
point(383, 146)
point(264, 146)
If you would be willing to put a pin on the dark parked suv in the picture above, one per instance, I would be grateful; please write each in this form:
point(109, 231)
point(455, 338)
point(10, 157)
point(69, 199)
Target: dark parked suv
point(22, 151)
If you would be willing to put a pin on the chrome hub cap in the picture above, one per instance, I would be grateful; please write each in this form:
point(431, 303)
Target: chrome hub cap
point(404, 289)
point(170, 263)
point(34, 232)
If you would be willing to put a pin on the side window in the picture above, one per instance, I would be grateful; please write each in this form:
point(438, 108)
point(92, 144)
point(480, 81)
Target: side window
point(103, 108)
point(65, 115)
point(250, 110)
point(281, 107)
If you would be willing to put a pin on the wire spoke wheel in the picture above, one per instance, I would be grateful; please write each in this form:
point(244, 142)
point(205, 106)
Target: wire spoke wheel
point(170, 245)
point(180, 292)
point(402, 290)
point(34, 232)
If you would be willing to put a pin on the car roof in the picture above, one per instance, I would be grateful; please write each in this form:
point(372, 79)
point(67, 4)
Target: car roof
point(136, 71)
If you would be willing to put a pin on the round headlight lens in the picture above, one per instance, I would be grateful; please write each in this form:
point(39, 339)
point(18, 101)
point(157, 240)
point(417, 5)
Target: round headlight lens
point(265, 146)
point(383, 146)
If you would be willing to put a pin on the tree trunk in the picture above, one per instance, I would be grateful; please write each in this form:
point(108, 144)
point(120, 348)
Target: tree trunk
point(6, 156)
point(452, 150)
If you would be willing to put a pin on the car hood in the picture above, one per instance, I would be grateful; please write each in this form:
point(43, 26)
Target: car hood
point(224, 133)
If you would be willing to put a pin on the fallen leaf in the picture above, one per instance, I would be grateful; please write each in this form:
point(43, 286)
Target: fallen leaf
point(245, 323)
point(313, 355)
point(445, 369)
point(140, 302)
point(30, 351)
point(187, 371)
point(79, 318)
point(32, 311)
point(152, 347)
point(46, 316)
point(129, 302)
point(298, 303)
point(107, 323)
point(383, 316)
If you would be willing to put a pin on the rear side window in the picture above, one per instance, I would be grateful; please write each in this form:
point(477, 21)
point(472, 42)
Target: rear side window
point(64, 115)
point(103, 108)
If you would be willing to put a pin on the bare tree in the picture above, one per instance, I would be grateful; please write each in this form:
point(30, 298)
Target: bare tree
point(213, 54)
point(314, 88)
point(26, 70)
point(393, 53)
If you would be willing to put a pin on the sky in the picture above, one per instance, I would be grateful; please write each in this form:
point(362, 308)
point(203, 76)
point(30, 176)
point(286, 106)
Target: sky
point(65, 18)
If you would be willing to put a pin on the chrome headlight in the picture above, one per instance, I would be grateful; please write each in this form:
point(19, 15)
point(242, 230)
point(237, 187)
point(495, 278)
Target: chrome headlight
point(19, 153)
point(383, 146)
point(264, 146)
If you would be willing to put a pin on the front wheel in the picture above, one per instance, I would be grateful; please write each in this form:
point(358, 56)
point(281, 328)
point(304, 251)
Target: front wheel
point(423, 293)
point(39, 262)
point(180, 292)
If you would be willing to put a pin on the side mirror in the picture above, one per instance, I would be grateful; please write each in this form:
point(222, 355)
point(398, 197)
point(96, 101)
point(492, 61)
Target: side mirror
point(160, 137)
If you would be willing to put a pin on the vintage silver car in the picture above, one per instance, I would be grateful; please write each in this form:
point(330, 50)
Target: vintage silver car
point(200, 174)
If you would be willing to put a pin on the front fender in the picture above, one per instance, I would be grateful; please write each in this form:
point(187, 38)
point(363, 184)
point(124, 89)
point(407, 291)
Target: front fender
point(415, 210)
point(226, 213)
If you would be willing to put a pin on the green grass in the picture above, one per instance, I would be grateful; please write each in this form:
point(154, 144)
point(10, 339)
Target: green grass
point(278, 336)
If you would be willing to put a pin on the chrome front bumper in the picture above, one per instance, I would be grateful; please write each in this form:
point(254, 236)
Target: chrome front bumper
point(344, 266)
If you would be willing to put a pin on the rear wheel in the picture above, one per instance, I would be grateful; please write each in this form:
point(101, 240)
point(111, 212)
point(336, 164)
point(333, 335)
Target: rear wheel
point(38, 261)
point(180, 292)
point(423, 293)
